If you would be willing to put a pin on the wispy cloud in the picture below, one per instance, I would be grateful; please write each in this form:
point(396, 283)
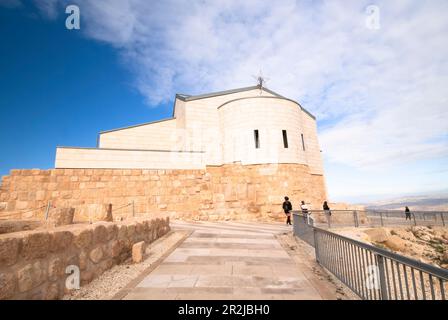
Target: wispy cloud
point(380, 94)
point(49, 7)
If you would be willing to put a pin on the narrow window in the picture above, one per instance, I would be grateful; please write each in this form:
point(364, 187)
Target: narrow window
point(285, 139)
point(303, 142)
point(257, 139)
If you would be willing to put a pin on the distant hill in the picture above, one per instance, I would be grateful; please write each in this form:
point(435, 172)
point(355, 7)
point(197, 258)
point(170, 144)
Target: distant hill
point(438, 202)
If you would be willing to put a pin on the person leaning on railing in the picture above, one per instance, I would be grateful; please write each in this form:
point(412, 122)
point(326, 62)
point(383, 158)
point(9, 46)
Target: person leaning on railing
point(327, 212)
point(326, 209)
point(305, 211)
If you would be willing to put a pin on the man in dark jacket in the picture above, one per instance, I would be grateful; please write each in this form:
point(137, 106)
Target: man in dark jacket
point(287, 207)
point(407, 213)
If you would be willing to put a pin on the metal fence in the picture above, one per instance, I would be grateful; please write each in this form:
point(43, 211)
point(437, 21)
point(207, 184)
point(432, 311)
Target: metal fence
point(370, 272)
point(304, 228)
point(394, 217)
point(376, 218)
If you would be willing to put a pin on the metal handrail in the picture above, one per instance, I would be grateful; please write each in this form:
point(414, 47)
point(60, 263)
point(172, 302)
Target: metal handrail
point(372, 272)
point(421, 266)
point(378, 211)
point(379, 217)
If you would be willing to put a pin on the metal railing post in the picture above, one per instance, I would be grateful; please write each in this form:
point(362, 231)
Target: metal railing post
point(413, 216)
point(133, 208)
point(294, 224)
point(355, 218)
point(382, 274)
point(47, 211)
point(381, 218)
point(443, 219)
point(316, 245)
point(109, 216)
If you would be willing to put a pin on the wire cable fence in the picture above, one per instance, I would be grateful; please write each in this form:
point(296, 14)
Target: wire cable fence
point(372, 273)
point(123, 212)
point(18, 214)
point(45, 212)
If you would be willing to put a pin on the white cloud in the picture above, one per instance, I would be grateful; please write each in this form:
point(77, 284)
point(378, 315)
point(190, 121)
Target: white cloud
point(381, 94)
point(48, 7)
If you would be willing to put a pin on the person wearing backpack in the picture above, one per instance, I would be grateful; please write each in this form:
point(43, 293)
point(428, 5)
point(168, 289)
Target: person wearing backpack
point(407, 213)
point(287, 207)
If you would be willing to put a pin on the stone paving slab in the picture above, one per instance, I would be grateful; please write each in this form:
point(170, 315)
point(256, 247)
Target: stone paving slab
point(228, 260)
point(223, 259)
point(230, 235)
point(230, 245)
point(232, 240)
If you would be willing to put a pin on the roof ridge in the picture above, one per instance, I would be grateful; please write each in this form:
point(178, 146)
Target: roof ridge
point(185, 97)
point(138, 125)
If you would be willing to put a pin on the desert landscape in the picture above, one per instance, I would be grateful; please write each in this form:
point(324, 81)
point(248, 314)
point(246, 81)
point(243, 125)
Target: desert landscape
point(423, 243)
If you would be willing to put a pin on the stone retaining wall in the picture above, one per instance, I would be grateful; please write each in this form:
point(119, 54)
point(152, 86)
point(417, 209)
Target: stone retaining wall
point(33, 263)
point(249, 192)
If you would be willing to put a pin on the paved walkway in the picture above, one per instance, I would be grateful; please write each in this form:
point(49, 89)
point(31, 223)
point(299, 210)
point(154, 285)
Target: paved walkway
point(229, 261)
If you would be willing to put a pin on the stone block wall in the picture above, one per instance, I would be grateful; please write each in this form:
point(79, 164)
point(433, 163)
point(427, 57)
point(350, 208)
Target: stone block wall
point(250, 192)
point(33, 263)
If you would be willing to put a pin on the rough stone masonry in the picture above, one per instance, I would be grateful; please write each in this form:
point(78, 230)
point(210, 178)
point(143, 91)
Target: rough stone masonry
point(217, 193)
point(33, 264)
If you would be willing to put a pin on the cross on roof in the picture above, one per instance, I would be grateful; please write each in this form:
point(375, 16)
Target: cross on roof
point(261, 81)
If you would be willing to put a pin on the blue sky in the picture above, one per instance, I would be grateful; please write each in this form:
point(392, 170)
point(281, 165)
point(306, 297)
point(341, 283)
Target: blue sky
point(379, 94)
point(59, 88)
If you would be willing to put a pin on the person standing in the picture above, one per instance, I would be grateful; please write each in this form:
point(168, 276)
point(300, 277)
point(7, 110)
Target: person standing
point(326, 208)
point(407, 213)
point(304, 209)
point(287, 207)
point(327, 212)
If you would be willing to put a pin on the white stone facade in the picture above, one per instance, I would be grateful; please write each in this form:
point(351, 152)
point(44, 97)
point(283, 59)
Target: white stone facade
point(209, 130)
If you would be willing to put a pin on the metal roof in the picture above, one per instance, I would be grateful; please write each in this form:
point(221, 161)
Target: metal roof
point(138, 125)
point(185, 97)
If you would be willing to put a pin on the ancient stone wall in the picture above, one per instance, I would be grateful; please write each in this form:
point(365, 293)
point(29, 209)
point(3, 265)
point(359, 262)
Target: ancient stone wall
point(33, 263)
point(216, 193)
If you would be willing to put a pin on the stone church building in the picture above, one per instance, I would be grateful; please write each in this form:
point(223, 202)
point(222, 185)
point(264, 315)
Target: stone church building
point(226, 155)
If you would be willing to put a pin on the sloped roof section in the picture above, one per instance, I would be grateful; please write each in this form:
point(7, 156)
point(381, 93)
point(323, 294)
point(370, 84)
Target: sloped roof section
point(137, 125)
point(185, 97)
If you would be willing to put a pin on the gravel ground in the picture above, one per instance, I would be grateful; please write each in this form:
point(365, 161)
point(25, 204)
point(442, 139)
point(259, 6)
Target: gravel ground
point(113, 281)
point(327, 284)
